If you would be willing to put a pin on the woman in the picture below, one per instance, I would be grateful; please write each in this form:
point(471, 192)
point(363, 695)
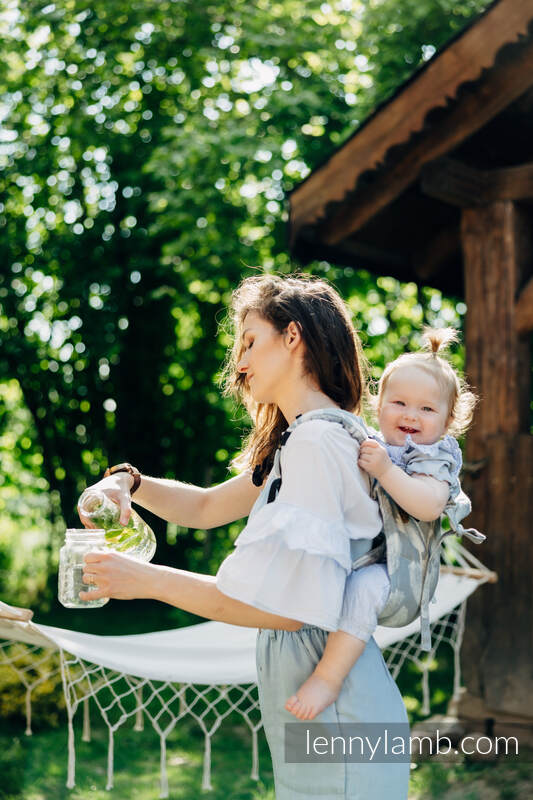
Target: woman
point(295, 350)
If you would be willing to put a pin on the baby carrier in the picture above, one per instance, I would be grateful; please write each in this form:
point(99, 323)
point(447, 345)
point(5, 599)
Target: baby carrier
point(410, 547)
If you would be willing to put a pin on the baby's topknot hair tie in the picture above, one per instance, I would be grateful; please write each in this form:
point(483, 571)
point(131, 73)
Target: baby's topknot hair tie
point(435, 340)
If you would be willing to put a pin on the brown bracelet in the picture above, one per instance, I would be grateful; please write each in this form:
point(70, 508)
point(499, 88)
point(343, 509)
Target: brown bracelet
point(133, 471)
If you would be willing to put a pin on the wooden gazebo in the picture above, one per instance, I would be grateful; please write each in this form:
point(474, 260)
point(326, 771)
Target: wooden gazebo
point(437, 187)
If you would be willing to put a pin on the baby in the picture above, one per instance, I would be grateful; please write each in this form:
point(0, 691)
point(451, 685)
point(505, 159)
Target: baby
point(421, 401)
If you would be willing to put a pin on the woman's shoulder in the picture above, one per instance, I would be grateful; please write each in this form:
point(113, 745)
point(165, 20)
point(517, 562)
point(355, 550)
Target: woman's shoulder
point(319, 460)
point(311, 427)
point(321, 433)
point(321, 446)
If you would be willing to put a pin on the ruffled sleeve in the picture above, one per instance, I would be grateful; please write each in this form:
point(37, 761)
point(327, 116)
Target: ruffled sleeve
point(293, 556)
point(300, 529)
point(441, 460)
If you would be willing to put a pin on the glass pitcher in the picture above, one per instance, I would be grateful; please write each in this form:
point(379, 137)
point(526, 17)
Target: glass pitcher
point(136, 538)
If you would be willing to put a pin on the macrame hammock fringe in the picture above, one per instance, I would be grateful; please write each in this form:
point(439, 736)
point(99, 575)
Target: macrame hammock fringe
point(32, 652)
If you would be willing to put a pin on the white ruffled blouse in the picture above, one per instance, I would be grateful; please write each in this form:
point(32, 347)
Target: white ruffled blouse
point(294, 554)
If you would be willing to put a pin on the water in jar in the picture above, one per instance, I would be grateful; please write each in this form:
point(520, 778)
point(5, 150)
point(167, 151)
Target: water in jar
point(78, 542)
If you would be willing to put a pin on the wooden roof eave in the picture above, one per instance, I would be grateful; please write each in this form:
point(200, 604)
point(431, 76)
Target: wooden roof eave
point(331, 197)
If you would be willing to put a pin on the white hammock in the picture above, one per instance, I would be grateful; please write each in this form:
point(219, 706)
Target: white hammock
point(207, 671)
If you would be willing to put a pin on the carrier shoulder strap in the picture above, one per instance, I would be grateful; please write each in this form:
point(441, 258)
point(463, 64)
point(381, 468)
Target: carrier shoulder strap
point(353, 424)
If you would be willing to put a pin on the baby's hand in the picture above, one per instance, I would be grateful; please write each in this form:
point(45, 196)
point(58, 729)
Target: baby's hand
point(373, 458)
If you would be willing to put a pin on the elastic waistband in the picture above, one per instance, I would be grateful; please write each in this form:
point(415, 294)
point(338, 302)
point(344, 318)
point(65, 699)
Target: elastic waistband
point(273, 633)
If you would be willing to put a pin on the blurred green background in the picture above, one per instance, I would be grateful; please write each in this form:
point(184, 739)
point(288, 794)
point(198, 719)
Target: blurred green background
point(146, 153)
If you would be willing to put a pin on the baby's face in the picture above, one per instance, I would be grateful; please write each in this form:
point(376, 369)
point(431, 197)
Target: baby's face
point(412, 403)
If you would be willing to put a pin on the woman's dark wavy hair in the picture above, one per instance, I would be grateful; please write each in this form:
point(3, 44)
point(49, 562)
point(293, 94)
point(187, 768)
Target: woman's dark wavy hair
point(333, 354)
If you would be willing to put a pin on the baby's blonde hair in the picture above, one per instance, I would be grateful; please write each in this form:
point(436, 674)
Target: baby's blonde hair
point(461, 401)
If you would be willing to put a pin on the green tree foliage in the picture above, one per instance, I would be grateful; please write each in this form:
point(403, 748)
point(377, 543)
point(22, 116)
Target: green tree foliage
point(146, 152)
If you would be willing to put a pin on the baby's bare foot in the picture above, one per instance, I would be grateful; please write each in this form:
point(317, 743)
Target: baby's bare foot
point(313, 696)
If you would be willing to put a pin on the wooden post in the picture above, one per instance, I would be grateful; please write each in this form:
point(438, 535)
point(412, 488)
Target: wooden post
point(498, 649)
point(496, 260)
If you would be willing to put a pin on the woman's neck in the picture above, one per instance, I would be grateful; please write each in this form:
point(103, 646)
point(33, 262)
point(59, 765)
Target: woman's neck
point(311, 402)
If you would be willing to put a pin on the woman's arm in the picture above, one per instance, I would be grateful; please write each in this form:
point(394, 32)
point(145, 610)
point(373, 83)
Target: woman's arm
point(422, 496)
point(185, 504)
point(194, 507)
point(120, 576)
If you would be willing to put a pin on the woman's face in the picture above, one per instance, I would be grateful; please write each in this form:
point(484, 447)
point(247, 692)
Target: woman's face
point(412, 403)
point(266, 360)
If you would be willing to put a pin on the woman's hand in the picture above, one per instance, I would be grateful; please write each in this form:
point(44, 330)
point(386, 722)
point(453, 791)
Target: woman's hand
point(117, 575)
point(373, 458)
point(117, 488)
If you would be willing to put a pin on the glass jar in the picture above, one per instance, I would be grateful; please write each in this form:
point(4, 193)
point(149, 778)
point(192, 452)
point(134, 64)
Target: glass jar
point(136, 538)
point(78, 541)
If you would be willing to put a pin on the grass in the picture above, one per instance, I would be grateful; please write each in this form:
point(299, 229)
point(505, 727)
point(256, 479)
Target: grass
point(34, 768)
point(509, 778)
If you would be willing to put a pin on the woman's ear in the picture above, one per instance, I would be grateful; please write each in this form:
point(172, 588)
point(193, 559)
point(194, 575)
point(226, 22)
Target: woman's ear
point(293, 335)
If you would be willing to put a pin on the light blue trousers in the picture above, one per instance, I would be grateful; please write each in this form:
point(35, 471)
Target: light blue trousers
point(369, 694)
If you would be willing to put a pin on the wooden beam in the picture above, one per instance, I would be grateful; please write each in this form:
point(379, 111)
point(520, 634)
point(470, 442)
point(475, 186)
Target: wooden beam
point(513, 183)
point(395, 123)
point(461, 185)
point(473, 110)
point(454, 183)
point(524, 310)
